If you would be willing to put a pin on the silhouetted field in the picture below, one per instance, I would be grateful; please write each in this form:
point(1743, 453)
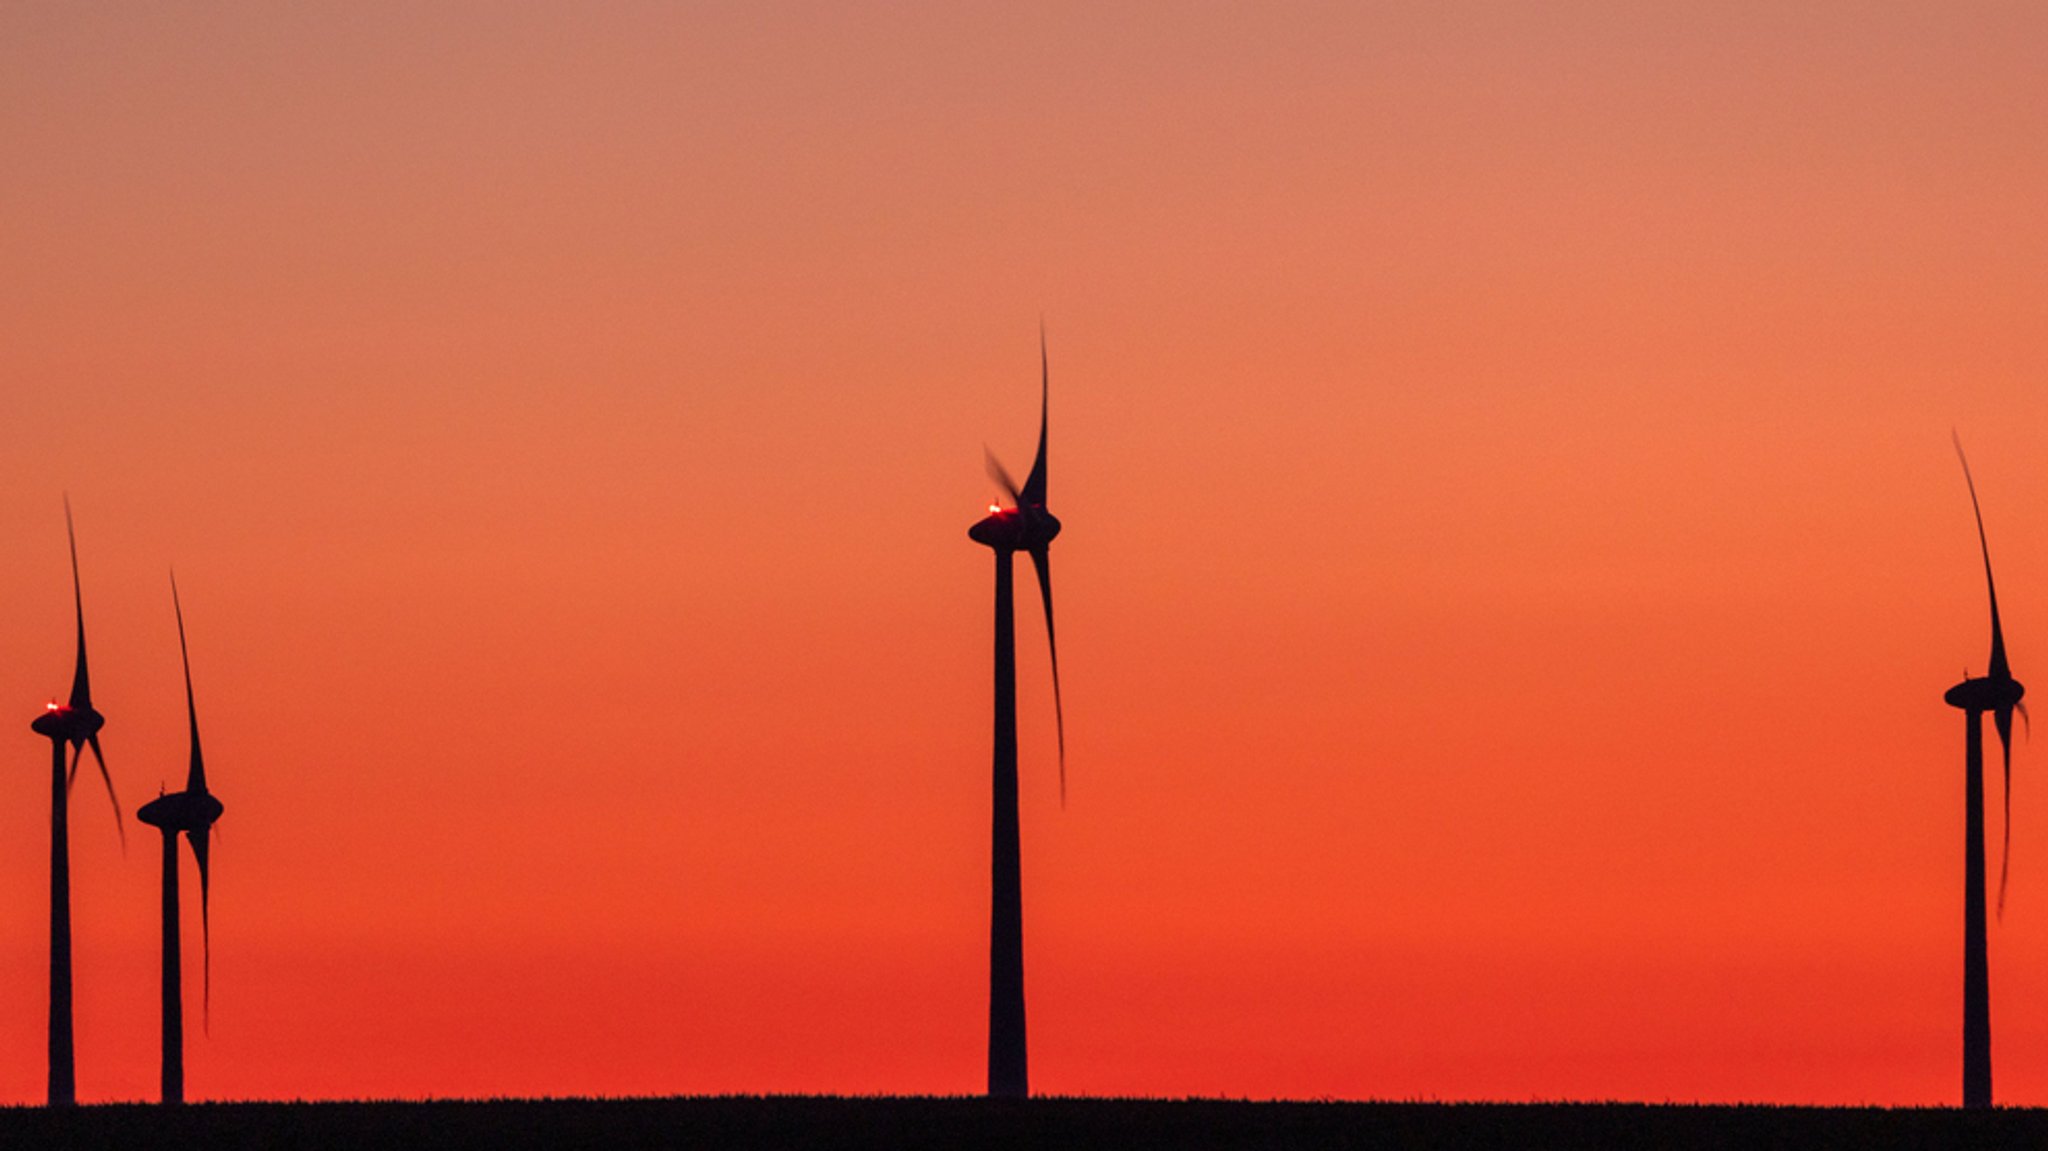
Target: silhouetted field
point(802, 1121)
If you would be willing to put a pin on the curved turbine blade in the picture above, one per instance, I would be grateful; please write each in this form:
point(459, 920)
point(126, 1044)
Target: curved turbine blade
point(81, 680)
point(1002, 477)
point(2002, 719)
point(77, 757)
point(1034, 484)
point(198, 841)
point(195, 775)
point(1041, 559)
point(1999, 668)
point(109, 780)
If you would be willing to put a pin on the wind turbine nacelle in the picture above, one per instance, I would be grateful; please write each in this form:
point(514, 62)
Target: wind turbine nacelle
point(1015, 529)
point(181, 811)
point(1986, 694)
point(71, 724)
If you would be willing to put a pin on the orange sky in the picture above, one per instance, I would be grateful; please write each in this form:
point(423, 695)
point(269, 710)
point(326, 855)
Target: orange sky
point(1513, 553)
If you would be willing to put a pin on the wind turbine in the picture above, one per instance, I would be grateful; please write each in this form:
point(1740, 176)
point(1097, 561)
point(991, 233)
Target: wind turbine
point(75, 723)
point(1997, 692)
point(1028, 527)
point(191, 811)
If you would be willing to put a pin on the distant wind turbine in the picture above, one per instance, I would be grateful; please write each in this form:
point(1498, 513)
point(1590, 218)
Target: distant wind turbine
point(77, 724)
point(191, 811)
point(1997, 692)
point(1028, 527)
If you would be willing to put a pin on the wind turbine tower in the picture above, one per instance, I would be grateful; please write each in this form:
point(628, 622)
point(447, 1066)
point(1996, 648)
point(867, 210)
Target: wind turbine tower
point(1028, 527)
point(78, 725)
point(192, 812)
point(1997, 692)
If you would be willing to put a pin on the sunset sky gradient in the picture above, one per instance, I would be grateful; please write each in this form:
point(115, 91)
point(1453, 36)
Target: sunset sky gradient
point(1513, 550)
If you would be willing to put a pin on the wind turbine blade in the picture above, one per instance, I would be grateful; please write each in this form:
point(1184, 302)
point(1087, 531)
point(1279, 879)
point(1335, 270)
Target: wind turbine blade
point(198, 841)
point(1002, 477)
point(1034, 484)
point(2002, 719)
point(81, 680)
point(1041, 559)
point(195, 775)
point(77, 757)
point(109, 781)
point(1999, 668)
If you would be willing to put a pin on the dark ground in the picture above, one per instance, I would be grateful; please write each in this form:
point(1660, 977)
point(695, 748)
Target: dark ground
point(798, 1121)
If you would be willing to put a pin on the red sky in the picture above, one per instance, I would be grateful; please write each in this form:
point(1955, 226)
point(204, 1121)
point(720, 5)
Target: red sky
point(1513, 553)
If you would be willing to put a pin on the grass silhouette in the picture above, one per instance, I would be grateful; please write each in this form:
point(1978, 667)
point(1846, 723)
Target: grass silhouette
point(849, 1123)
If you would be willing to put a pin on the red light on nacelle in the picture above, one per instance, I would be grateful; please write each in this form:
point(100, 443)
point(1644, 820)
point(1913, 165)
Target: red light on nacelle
point(995, 509)
point(50, 706)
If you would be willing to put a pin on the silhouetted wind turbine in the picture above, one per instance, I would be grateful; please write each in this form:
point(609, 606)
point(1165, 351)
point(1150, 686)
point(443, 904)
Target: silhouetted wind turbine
point(76, 724)
point(191, 811)
point(1998, 693)
point(1027, 527)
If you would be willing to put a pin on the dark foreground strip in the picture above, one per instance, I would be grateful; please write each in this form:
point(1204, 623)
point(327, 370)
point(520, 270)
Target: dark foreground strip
point(1124, 1125)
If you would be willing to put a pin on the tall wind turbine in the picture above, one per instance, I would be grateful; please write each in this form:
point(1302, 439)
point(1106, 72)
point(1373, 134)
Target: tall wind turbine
point(1028, 527)
point(77, 724)
point(191, 811)
point(1997, 692)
